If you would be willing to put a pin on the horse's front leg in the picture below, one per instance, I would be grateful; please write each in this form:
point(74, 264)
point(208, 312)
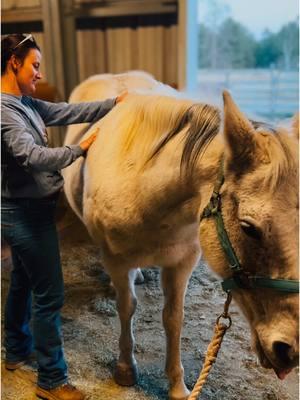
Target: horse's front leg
point(126, 372)
point(174, 283)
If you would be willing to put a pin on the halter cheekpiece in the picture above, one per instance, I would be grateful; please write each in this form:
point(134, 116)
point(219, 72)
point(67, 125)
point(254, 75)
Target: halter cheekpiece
point(240, 279)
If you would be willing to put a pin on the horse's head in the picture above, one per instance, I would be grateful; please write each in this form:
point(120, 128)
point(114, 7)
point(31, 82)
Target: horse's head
point(259, 202)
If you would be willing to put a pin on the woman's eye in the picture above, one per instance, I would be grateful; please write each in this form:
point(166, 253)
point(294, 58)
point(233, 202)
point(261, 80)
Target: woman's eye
point(251, 230)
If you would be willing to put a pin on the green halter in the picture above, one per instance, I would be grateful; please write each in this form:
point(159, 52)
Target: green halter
point(240, 279)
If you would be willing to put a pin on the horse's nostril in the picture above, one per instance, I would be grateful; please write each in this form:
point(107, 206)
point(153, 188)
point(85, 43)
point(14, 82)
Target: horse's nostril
point(284, 352)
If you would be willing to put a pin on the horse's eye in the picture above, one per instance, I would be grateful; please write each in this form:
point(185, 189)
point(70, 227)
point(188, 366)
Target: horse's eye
point(251, 230)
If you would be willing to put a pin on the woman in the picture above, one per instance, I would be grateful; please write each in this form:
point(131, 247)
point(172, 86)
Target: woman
point(31, 182)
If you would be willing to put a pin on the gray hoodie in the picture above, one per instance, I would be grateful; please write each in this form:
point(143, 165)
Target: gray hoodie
point(30, 169)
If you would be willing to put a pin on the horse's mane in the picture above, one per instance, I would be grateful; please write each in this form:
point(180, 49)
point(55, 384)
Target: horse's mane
point(203, 123)
point(279, 149)
point(152, 121)
point(157, 119)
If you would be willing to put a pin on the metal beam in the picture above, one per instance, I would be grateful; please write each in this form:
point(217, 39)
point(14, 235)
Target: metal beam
point(119, 8)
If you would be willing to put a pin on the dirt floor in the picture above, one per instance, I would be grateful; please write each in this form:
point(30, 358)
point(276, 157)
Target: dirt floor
point(91, 329)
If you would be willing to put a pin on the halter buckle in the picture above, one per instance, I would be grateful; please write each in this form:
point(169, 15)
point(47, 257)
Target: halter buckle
point(241, 279)
point(213, 207)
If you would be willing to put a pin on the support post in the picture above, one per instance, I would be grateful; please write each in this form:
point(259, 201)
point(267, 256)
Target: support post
point(187, 45)
point(60, 45)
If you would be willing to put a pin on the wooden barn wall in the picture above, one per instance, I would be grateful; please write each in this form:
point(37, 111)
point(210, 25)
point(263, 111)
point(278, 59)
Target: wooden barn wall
point(105, 44)
point(119, 44)
point(14, 4)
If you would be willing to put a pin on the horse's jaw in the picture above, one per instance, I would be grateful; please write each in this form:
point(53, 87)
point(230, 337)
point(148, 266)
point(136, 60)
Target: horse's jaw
point(274, 328)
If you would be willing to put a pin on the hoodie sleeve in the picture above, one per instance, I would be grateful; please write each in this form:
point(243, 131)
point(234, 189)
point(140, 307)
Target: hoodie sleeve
point(19, 143)
point(65, 113)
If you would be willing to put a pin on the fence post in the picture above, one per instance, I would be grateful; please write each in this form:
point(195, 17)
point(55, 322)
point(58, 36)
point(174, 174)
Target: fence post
point(273, 90)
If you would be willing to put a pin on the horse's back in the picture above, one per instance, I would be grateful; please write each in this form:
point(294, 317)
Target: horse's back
point(97, 88)
point(102, 86)
point(108, 190)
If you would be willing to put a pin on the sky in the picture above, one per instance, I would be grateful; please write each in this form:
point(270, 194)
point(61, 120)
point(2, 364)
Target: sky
point(257, 15)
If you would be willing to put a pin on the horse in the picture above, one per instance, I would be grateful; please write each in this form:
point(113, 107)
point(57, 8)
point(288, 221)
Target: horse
point(142, 192)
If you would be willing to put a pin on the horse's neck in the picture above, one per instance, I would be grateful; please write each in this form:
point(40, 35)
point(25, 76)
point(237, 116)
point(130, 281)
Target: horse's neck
point(207, 170)
point(178, 188)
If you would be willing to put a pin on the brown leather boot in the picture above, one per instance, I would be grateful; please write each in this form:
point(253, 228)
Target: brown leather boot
point(13, 365)
point(63, 392)
point(28, 361)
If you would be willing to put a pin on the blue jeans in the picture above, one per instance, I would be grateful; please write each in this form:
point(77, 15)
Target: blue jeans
point(28, 226)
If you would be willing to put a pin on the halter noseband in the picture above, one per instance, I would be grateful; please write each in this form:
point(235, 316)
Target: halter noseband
point(240, 279)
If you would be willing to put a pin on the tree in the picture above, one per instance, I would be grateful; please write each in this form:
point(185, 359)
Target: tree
point(216, 12)
point(206, 38)
point(288, 44)
point(267, 51)
point(230, 45)
point(236, 45)
point(279, 49)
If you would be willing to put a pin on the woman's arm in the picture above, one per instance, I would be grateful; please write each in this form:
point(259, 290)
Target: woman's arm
point(65, 113)
point(18, 142)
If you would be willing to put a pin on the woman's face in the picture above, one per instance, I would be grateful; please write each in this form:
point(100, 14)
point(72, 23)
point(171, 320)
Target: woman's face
point(29, 72)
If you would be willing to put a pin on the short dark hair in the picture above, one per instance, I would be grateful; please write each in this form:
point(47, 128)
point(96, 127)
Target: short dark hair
point(10, 45)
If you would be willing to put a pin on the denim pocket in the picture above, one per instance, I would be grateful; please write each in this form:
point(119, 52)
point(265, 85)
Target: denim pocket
point(8, 216)
point(9, 211)
point(6, 225)
point(7, 229)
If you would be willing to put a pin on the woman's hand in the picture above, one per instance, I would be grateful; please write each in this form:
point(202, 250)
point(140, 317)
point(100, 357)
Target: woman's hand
point(85, 144)
point(121, 97)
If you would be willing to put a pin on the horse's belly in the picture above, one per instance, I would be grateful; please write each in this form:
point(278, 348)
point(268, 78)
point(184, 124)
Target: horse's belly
point(136, 244)
point(73, 188)
point(165, 256)
point(174, 254)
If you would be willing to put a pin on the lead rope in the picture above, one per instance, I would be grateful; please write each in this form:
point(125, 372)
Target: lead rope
point(213, 348)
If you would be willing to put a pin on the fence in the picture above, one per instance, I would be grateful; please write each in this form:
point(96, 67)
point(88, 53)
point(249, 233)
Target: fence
point(270, 93)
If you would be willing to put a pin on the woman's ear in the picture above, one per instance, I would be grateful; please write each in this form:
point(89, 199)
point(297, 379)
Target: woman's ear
point(14, 63)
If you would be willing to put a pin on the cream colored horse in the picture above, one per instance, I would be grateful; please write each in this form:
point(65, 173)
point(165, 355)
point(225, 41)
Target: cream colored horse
point(141, 191)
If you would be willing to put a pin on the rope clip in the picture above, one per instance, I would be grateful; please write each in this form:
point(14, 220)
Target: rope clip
point(225, 315)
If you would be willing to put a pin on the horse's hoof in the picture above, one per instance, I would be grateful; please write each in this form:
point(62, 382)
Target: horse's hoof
point(126, 376)
point(183, 394)
point(139, 278)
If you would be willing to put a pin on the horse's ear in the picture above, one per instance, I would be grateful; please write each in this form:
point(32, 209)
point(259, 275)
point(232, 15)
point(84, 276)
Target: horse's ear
point(239, 135)
point(295, 126)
